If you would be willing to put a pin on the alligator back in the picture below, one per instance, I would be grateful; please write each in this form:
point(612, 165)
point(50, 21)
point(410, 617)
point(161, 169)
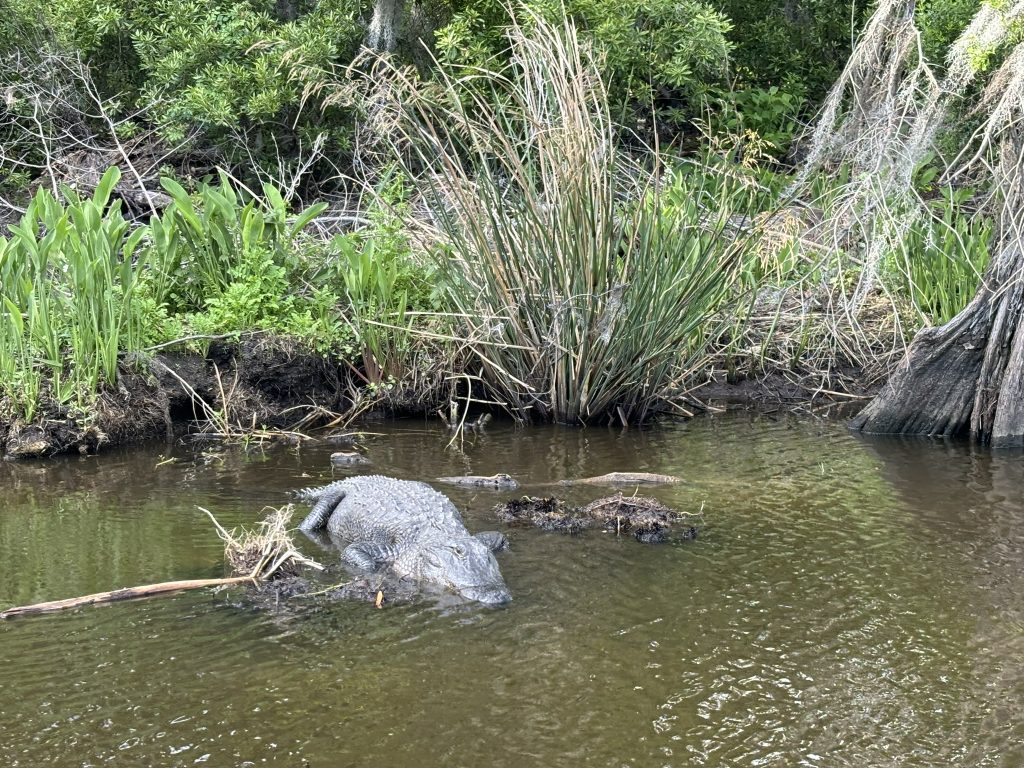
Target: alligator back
point(384, 509)
point(409, 528)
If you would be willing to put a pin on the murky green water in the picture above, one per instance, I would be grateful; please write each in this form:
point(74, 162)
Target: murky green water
point(849, 603)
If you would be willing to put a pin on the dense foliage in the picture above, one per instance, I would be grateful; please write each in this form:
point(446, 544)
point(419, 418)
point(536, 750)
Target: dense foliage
point(657, 56)
point(220, 73)
point(506, 211)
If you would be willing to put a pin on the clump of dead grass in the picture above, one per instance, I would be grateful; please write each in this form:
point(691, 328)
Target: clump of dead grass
point(265, 552)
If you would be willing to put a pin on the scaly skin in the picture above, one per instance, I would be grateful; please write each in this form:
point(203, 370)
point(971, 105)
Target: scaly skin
point(500, 482)
point(626, 478)
point(411, 529)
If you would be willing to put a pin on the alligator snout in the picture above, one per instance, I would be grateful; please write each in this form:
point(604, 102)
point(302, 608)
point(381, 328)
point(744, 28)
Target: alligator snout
point(487, 595)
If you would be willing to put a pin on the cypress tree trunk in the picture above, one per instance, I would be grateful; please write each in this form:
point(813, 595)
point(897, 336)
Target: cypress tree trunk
point(966, 378)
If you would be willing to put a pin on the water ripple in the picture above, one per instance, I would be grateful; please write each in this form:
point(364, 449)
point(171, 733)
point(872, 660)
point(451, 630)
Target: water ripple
point(848, 603)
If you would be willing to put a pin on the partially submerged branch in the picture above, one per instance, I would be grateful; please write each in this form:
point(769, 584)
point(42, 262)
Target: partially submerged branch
point(127, 593)
point(255, 556)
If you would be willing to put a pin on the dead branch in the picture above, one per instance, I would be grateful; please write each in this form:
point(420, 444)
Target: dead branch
point(263, 554)
point(127, 593)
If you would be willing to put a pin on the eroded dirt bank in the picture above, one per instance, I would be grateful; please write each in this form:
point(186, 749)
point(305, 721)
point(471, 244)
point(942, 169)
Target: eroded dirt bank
point(251, 385)
point(264, 383)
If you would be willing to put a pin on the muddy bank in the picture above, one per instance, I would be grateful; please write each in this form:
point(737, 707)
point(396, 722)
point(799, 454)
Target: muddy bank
point(260, 382)
point(852, 389)
point(264, 382)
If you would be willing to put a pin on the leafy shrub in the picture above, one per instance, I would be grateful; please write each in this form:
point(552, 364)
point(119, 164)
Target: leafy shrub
point(216, 69)
point(799, 47)
point(215, 235)
point(770, 114)
point(261, 295)
point(660, 53)
point(941, 22)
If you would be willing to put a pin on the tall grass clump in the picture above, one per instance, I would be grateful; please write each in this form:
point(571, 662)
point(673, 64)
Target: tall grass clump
point(581, 294)
point(66, 282)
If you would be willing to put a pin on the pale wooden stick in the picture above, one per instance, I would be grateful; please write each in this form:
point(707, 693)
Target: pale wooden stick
point(127, 593)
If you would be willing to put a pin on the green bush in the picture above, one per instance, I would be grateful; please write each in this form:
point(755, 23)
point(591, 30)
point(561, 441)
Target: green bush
point(765, 115)
point(216, 69)
point(941, 22)
point(216, 233)
point(654, 54)
point(798, 46)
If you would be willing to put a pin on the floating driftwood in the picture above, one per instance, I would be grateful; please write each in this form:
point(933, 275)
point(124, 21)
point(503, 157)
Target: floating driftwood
point(255, 556)
point(647, 519)
point(349, 459)
point(127, 593)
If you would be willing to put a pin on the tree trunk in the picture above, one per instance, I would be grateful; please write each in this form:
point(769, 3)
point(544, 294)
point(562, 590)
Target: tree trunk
point(384, 26)
point(966, 378)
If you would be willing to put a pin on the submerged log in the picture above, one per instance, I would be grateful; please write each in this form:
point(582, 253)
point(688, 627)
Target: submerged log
point(625, 478)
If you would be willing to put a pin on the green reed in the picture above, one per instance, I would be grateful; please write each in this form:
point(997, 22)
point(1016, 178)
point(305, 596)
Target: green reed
point(584, 291)
point(943, 257)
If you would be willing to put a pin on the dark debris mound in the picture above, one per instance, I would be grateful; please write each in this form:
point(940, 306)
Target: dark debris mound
point(365, 589)
point(646, 518)
point(545, 512)
point(283, 587)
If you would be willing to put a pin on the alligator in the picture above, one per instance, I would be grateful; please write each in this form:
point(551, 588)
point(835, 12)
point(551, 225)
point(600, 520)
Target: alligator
point(410, 530)
point(500, 482)
point(625, 478)
point(349, 458)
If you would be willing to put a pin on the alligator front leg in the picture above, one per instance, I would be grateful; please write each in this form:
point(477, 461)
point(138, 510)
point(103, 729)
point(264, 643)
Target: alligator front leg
point(366, 555)
point(493, 540)
point(321, 512)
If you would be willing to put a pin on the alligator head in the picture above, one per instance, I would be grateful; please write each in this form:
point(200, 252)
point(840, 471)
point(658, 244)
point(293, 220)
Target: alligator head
point(466, 566)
